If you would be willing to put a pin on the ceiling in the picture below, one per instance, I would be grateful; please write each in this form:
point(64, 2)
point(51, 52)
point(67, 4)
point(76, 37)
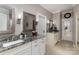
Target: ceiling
point(57, 7)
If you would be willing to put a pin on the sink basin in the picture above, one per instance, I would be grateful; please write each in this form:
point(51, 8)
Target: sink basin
point(12, 43)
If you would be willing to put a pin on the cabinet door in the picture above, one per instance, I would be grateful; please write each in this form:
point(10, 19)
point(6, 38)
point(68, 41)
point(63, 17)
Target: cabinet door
point(42, 48)
point(25, 52)
point(35, 49)
point(38, 48)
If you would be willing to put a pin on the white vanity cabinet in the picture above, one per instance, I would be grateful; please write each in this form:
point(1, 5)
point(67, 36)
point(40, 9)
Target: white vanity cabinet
point(38, 47)
point(51, 40)
point(24, 49)
point(42, 47)
point(35, 49)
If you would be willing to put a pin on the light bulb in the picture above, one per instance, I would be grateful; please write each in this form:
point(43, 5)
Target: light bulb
point(37, 20)
point(19, 16)
point(47, 21)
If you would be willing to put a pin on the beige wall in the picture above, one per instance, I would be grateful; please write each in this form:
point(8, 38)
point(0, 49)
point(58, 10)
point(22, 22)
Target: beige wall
point(56, 19)
point(30, 8)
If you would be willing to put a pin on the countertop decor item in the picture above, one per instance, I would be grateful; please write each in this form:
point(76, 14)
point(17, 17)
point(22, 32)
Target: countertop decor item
point(34, 33)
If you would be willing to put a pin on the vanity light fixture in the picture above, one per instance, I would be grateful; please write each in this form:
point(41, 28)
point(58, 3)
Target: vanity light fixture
point(19, 16)
point(48, 21)
point(36, 22)
point(19, 19)
point(53, 22)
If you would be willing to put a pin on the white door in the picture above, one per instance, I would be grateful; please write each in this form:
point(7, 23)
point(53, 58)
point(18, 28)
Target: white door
point(41, 26)
point(67, 29)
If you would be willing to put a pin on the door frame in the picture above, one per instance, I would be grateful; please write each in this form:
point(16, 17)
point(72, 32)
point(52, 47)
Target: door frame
point(76, 20)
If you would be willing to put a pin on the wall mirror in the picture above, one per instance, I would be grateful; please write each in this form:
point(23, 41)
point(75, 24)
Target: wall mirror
point(28, 23)
point(6, 20)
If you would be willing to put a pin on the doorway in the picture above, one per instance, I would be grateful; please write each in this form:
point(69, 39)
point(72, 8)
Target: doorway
point(67, 29)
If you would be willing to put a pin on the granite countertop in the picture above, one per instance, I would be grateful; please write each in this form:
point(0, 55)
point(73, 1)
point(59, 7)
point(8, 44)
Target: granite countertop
point(26, 41)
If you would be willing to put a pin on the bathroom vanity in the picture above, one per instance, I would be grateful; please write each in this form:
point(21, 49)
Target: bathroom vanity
point(51, 40)
point(22, 46)
point(32, 47)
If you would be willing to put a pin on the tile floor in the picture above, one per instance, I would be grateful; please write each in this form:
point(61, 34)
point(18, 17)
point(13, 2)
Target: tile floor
point(64, 48)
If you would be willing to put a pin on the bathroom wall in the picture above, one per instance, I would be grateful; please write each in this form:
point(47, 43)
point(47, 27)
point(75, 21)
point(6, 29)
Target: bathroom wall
point(56, 20)
point(30, 8)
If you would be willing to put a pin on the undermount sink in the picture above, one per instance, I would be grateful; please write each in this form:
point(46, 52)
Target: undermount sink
point(7, 44)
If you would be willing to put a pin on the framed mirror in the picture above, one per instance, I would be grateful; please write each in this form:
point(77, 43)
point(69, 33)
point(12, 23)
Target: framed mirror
point(6, 20)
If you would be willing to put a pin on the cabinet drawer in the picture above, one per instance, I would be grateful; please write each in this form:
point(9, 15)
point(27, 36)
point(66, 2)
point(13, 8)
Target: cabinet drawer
point(24, 52)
